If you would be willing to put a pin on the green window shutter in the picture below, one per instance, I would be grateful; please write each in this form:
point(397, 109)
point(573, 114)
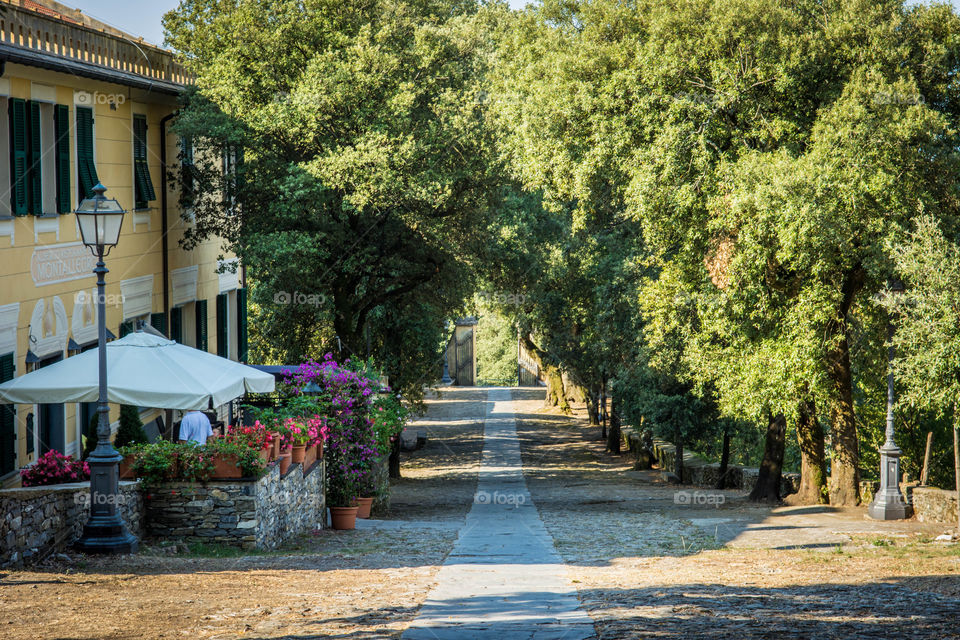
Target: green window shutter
point(242, 348)
point(8, 422)
point(201, 307)
point(61, 122)
point(176, 324)
point(159, 322)
point(187, 171)
point(18, 156)
point(126, 327)
point(223, 347)
point(141, 169)
point(86, 169)
point(35, 156)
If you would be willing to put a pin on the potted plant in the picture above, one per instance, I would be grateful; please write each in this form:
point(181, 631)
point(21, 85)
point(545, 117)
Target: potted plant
point(341, 496)
point(54, 467)
point(255, 436)
point(126, 466)
point(158, 462)
point(300, 434)
point(234, 458)
point(317, 426)
point(195, 463)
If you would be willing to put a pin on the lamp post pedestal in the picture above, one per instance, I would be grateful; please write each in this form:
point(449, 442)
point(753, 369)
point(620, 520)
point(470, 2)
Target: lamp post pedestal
point(104, 532)
point(889, 503)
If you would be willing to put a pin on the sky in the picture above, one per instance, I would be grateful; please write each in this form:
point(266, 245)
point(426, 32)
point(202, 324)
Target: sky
point(142, 17)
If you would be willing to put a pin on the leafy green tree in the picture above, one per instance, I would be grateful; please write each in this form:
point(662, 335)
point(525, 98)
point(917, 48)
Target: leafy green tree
point(496, 339)
point(768, 152)
point(926, 341)
point(340, 150)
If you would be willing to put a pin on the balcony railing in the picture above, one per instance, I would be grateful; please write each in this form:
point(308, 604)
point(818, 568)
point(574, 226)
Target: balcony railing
point(47, 35)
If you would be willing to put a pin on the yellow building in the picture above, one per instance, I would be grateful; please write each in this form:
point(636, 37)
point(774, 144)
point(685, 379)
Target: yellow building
point(83, 103)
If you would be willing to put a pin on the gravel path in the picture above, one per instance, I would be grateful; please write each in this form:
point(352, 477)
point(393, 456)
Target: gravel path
point(650, 565)
point(644, 563)
point(503, 580)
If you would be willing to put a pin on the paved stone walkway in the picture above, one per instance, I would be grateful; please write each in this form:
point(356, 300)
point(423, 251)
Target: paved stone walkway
point(503, 579)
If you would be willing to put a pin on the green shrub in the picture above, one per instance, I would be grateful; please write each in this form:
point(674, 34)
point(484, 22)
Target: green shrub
point(130, 430)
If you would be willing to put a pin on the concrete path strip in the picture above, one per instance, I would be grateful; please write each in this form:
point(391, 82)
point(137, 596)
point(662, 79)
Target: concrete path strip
point(504, 578)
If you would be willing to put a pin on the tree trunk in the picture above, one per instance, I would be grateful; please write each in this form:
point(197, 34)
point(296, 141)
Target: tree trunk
point(593, 408)
point(767, 488)
point(724, 461)
point(613, 434)
point(394, 461)
point(556, 397)
point(813, 464)
point(844, 471)
point(603, 409)
point(678, 464)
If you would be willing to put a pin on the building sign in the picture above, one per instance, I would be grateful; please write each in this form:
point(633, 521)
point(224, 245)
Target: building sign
point(61, 262)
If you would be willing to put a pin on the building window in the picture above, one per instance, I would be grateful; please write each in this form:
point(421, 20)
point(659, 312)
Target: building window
point(187, 173)
point(141, 170)
point(201, 324)
point(8, 422)
point(223, 325)
point(25, 157)
point(39, 157)
point(159, 322)
point(232, 161)
point(176, 324)
point(61, 124)
point(86, 169)
point(242, 348)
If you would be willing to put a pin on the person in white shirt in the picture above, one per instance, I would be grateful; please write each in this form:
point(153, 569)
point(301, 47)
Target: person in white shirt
point(195, 427)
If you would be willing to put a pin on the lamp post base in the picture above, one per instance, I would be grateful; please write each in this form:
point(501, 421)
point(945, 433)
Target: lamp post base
point(889, 503)
point(112, 538)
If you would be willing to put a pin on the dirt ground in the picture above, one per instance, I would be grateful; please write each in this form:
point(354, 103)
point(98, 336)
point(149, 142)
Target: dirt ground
point(646, 563)
point(361, 584)
point(650, 567)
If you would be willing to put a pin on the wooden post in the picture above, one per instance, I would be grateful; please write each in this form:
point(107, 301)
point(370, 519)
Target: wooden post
point(926, 460)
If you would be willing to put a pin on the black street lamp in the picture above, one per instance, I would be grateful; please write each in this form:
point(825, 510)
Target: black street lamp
point(100, 220)
point(889, 503)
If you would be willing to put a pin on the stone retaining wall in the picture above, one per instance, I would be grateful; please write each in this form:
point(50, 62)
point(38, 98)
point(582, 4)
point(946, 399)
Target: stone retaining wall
point(251, 514)
point(38, 521)
point(935, 505)
point(696, 470)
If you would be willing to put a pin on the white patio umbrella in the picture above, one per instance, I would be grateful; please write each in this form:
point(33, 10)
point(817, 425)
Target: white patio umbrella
point(142, 370)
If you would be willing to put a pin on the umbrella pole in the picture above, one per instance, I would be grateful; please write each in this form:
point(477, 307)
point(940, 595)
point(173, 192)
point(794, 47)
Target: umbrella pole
point(104, 531)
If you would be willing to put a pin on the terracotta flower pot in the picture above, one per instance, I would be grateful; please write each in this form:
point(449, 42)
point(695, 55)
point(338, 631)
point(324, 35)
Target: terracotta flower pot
point(276, 445)
point(310, 457)
point(226, 467)
point(265, 454)
point(126, 468)
point(363, 507)
point(284, 462)
point(298, 453)
point(343, 517)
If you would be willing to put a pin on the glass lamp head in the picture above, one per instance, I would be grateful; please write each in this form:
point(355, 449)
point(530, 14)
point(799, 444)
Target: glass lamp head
point(100, 220)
